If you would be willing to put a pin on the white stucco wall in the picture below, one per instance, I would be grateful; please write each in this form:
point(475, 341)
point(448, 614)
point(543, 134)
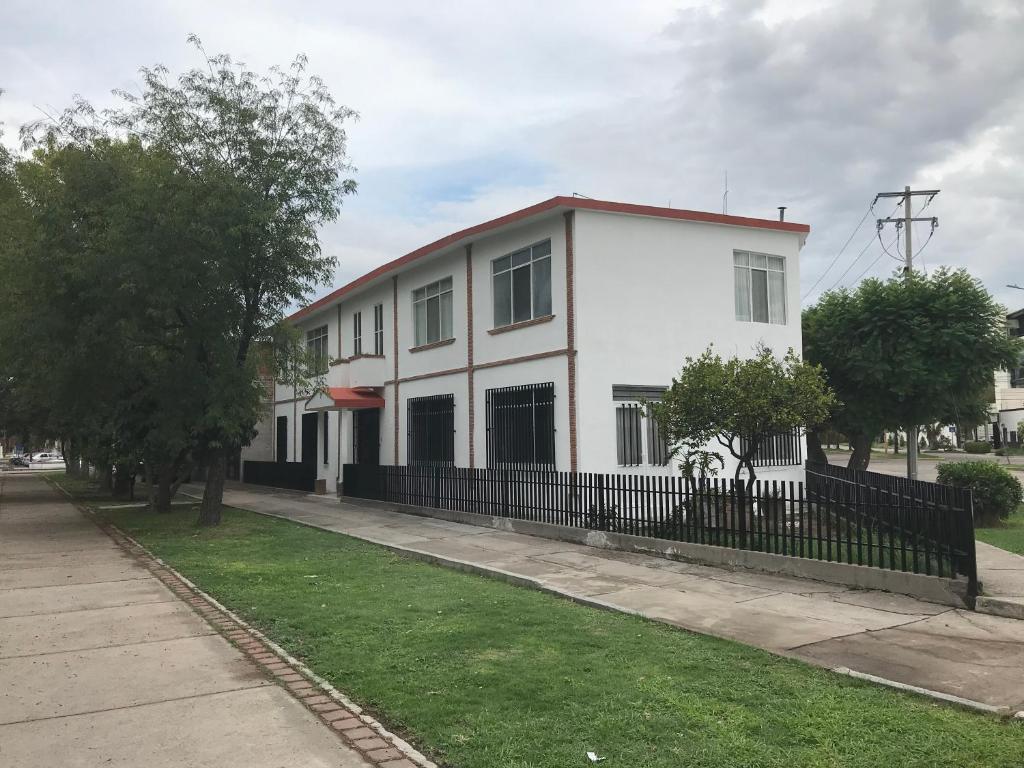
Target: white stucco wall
point(649, 293)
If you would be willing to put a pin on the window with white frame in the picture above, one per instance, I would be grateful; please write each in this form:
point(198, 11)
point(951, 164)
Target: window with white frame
point(432, 312)
point(522, 285)
point(760, 287)
point(378, 329)
point(316, 348)
point(632, 421)
point(357, 333)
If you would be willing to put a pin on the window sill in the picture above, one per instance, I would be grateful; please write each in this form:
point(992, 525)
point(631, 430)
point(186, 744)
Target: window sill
point(521, 324)
point(363, 355)
point(432, 345)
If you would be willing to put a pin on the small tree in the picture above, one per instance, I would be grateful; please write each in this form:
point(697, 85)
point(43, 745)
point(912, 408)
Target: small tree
point(741, 403)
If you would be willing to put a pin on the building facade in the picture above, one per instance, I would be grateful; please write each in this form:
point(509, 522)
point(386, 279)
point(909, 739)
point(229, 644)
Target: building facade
point(531, 339)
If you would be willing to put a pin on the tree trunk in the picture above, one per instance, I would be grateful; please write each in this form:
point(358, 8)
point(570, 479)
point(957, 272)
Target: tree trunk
point(213, 494)
point(814, 449)
point(122, 481)
point(861, 451)
point(108, 476)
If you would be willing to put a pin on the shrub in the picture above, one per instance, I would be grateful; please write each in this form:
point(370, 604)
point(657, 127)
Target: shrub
point(977, 446)
point(997, 493)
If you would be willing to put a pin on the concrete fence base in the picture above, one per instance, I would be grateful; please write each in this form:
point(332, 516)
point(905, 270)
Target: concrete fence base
point(935, 589)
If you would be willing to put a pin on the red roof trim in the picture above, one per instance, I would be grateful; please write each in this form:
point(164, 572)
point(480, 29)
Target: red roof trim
point(580, 203)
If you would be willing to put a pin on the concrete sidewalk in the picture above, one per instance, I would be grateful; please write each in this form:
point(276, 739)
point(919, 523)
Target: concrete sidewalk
point(101, 664)
point(1002, 576)
point(954, 652)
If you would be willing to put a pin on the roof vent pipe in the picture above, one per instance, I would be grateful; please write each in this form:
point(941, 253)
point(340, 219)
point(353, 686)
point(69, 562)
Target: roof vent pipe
point(782, 213)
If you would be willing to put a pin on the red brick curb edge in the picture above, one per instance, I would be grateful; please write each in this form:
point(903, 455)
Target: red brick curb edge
point(359, 731)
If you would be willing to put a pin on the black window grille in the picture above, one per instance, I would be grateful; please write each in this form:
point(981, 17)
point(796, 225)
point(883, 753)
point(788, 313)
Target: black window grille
point(357, 333)
point(431, 430)
point(378, 329)
point(657, 446)
point(521, 426)
point(628, 435)
point(778, 450)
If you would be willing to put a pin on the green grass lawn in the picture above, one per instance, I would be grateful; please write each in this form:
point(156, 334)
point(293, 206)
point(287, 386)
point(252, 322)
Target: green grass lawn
point(481, 674)
point(1009, 537)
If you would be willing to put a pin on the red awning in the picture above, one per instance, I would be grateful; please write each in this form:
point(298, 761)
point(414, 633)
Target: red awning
point(350, 397)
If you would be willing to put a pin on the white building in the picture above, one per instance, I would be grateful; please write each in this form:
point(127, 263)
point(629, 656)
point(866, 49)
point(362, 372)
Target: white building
point(528, 340)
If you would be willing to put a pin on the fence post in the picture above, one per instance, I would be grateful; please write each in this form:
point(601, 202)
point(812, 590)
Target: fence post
point(739, 497)
point(437, 488)
point(970, 551)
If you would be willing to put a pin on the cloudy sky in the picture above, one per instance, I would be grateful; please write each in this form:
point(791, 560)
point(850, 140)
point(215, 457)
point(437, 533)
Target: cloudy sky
point(471, 110)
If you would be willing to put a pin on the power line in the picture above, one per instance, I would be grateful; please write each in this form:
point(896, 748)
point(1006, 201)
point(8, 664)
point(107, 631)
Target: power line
point(857, 257)
point(879, 256)
point(834, 260)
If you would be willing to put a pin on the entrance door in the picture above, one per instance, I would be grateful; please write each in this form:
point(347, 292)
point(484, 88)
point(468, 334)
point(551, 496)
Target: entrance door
point(282, 438)
point(366, 436)
point(309, 430)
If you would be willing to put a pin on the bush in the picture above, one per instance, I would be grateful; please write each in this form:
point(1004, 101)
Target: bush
point(977, 446)
point(997, 493)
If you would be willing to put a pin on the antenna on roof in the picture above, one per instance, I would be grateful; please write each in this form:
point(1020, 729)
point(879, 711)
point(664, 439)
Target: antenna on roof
point(586, 197)
point(725, 195)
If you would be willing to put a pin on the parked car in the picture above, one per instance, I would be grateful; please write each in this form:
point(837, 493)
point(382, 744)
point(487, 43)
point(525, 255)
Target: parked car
point(45, 459)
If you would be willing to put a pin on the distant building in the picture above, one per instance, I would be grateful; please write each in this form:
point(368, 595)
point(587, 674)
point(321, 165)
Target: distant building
point(529, 340)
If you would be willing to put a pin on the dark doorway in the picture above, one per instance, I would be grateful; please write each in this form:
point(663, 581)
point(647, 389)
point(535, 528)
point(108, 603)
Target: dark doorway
point(282, 438)
point(366, 436)
point(309, 430)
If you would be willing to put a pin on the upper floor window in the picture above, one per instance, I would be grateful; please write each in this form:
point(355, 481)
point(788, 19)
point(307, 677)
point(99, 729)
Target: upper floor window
point(378, 329)
point(316, 348)
point(357, 333)
point(760, 287)
point(432, 311)
point(522, 285)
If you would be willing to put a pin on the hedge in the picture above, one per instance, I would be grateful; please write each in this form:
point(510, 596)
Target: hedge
point(977, 446)
point(997, 493)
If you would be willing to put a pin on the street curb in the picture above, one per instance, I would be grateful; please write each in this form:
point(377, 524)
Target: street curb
point(357, 729)
point(1006, 608)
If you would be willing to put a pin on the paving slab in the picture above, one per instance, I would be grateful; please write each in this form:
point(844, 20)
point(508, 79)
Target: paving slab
point(105, 552)
point(79, 630)
point(61, 684)
point(943, 654)
point(255, 728)
point(806, 607)
point(82, 597)
point(115, 569)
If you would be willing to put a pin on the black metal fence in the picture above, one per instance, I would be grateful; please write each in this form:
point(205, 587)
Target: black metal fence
point(923, 525)
point(294, 475)
point(831, 518)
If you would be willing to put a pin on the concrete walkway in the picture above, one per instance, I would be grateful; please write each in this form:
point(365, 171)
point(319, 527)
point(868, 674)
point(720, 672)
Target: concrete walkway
point(102, 665)
point(1002, 576)
point(931, 646)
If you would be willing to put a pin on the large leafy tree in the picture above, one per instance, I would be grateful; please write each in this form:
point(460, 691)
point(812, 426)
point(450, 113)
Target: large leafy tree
point(907, 351)
point(740, 403)
point(91, 345)
point(265, 157)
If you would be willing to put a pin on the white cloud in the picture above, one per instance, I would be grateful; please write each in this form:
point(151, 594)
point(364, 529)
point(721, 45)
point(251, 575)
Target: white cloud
point(470, 110)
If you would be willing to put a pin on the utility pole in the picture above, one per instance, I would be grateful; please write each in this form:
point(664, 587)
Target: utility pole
point(906, 221)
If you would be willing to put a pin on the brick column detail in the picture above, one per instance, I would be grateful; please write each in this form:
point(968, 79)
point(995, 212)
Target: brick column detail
point(570, 332)
point(469, 354)
point(394, 349)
